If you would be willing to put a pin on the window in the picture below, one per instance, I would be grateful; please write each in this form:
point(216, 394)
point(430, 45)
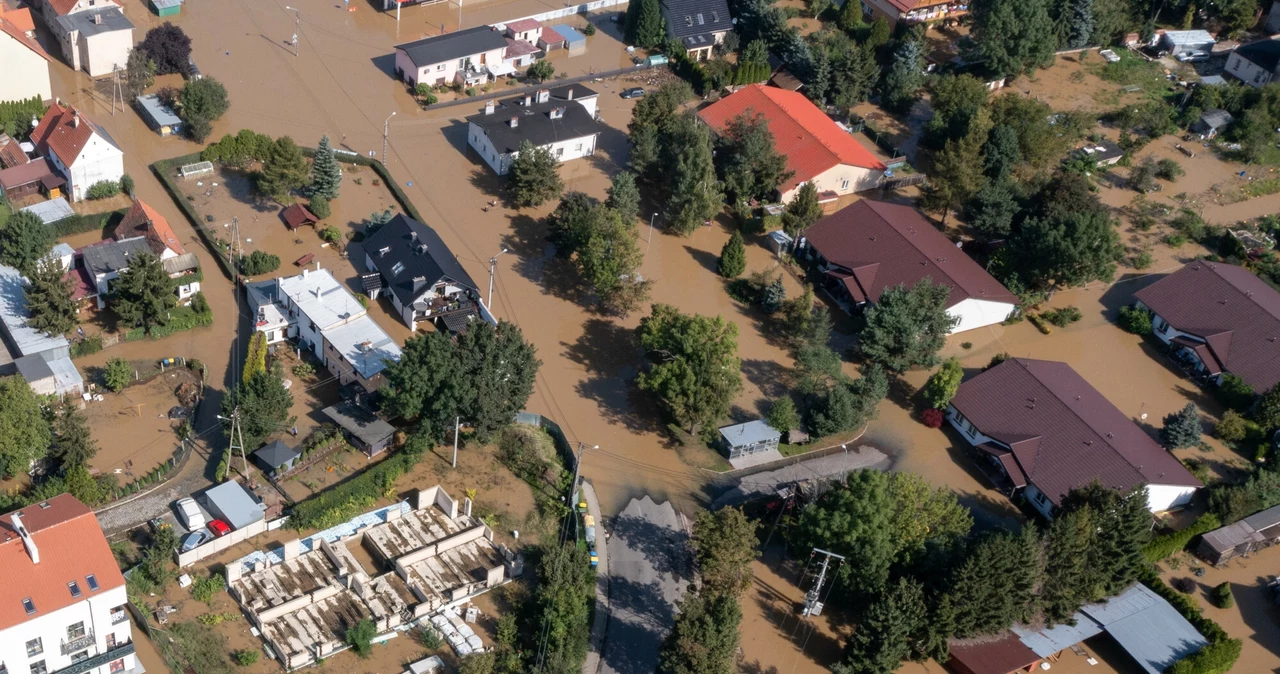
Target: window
point(75, 588)
point(39, 668)
point(28, 606)
point(559, 152)
point(82, 655)
point(35, 647)
point(111, 640)
point(75, 631)
point(440, 67)
point(397, 268)
point(1161, 324)
point(577, 148)
point(844, 184)
point(117, 666)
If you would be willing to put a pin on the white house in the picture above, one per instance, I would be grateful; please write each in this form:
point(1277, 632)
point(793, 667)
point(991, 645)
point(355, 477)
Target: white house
point(26, 65)
point(816, 148)
point(96, 41)
point(1255, 64)
point(62, 606)
point(560, 120)
point(465, 56)
point(50, 10)
point(104, 262)
point(1040, 430)
point(82, 151)
point(316, 310)
point(872, 245)
point(425, 282)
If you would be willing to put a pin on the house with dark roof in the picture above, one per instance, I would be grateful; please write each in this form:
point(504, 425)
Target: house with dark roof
point(1040, 430)
point(699, 25)
point(363, 429)
point(1211, 122)
point(35, 177)
point(276, 457)
point(1255, 64)
point(81, 150)
point(872, 245)
point(422, 277)
point(560, 120)
point(1218, 318)
point(464, 56)
point(96, 40)
point(816, 148)
point(913, 11)
point(26, 65)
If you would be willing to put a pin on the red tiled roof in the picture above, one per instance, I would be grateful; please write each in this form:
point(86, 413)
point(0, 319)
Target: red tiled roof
point(296, 215)
point(1231, 309)
point(523, 25)
point(550, 36)
point(71, 546)
point(1001, 654)
point(143, 220)
point(58, 131)
point(11, 153)
point(811, 142)
point(883, 245)
point(517, 48)
point(1062, 432)
point(9, 25)
point(21, 18)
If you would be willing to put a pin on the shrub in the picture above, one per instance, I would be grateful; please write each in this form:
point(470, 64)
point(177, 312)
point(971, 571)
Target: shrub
point(1232, 428)
point(1175, 240)
point(117, 374)
point(303, 370)
point(422, 89)
point(541, 71)
point(589, 30)
point(430, 639)
point(1169, 169)
point(1041, 324)
point(259, 262)
point(1161, 547)
point(126, 184)
point(350, 498)
point(1184, 585)
point(319, 206)
point(932, 418)
point(103, 189)
point(246, 657)
point(1063, 317)
point(1135, 320)
point(360, 637)
point(86, 346)
point(1234, 393)
point(528, 451)
point(203, 589)
point(1143, 260)
point(997, 359)
point(430, 99)
point(331, 234)
point(1222, 597)
point(1216, 658)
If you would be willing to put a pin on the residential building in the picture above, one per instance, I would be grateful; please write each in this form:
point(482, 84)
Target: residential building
point(62, 609)
point(1255, 64)
point(96, 41)
point(33, 179)
point(463, 56)
point(423, 278)
point(43, 360)
point(913, 11)
point(816, 148)
point(1040, 430)
point(160, 117)
point(699, 25)
point(20, 17)
point(26, 65)
point(566, 129)
point(300, 597)
point(50, 10)
point(318, 311)
point(522, 43)
point(82, 151)
point(144, 221)
point(1103, 153)
point(1218, 318)
point(105, 261)
point(527, 30)
point(870, 246)
point(749, 438)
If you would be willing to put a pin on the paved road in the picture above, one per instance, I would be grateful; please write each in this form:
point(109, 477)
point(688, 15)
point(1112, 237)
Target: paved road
point(592, 664)
point(189, 479)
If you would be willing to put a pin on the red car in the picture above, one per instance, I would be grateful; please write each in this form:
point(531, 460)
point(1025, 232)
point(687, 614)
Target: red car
point(219, 528)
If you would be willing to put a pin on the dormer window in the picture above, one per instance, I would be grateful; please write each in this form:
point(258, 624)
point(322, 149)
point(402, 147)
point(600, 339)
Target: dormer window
point(715, 17)
point(28, 606)
point(700, 22)
point(688, 20)
point(75, 588)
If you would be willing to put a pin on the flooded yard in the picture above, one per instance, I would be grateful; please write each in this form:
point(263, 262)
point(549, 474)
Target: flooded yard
point(133, 429)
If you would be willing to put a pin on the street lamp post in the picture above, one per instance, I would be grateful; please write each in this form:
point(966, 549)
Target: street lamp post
point(297, 27)
point(651, 219)
point(386, 125)
point(493, 265)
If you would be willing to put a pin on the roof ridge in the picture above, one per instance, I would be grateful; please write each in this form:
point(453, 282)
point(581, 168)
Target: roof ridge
point(790, 113)
point(1247, 295)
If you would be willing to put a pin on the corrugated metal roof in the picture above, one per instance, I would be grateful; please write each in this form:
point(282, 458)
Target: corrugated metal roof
point(1148, 628)
point(13, 312)
point(749, 433)
point(1058, 638)
point(235, 504)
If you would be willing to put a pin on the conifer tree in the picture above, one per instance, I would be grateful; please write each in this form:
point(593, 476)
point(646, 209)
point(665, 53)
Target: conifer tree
point(326, 175)
point(1182, 428)
point(144, 293)
point(905, 77)
point(49, 299)
point(804, 210)
point(1081, 24)
point(733, 257)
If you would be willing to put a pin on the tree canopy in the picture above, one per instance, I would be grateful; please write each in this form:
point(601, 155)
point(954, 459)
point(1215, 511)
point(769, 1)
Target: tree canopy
point(907, 327)
point(905, 77)
point(326, 175)
point(748, 161)
point(168, 47)
point(24, 434)
point(1013, 36)
point(24, 239)
point(284, 170)
point(803, 210)
point(694, 368)
point(200, 104)
point(264, 405)
point(534, 176)
point(144, 293)
point(49, 299)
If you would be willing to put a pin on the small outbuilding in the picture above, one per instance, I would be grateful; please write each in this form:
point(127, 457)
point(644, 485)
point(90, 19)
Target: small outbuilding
point(166, 7)
point(160, 117)
point(1257, 531)
point(37, 177)
point(1104, 153)
point(51, 211)
point(750, 438)
point(1211, 122)
point(231, 503)
point(363, 428)
point(574, 41)
point(297, 215)
point(276, 457)
point(1186, 42)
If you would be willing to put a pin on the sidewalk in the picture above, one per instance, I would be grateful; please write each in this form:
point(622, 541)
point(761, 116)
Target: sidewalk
point(592, 663)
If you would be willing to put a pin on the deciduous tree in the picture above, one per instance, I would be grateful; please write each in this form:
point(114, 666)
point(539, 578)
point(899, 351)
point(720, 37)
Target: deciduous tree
point(139, 73)
point(283, 170)
point(907, 327)
point(782, 415)
point(144, 293)
point(944, 383)
point(924, 516)
point(49, 299)
point(956, 100)
point(201, 103)
point(1066, 249)
point(534, 177)
point(610, 261)
point(704, 639)
point(24, 434)
point(724, 546)
point(694, 368)
point(168, 47)
point(1013, 37)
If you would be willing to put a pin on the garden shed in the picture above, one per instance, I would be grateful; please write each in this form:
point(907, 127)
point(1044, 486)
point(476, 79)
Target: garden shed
point(574, 41)
point(1257, 531)
point(276, 457)
point(752, 437)
point(363, 428)
point(166, 7)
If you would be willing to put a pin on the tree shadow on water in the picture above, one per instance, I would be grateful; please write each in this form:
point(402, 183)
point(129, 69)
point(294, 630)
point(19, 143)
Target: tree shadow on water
point(536, 260)
point(609, 354)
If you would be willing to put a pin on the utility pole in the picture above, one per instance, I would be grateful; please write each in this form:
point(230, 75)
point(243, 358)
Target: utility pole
point(577, 470)
point(297, 28)
point(236, 440)
point(651, 219)
point(235, 241)
point(812, 598)
point(116, 91)
point(386, 126)
point(493, 266)
point(457, 422)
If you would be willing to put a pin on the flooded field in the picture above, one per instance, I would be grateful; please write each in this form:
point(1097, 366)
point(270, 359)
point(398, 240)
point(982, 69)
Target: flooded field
point(132, 427)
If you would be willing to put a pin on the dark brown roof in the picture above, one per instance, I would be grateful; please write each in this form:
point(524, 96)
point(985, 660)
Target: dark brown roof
point(1000, 654)
point(1231, 309)
point(296, 215)
point(10, 153)
point(885, 244)
point(1062, 432)
point(26, 173)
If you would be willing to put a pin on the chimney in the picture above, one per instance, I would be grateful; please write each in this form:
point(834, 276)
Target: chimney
point(489, 106)
point(544, 95)
point(528, 100)
point(306, 271)
point(26, 538)
point(569, 94)
point(97, 19)
point(75, 121)
point(413, 236)
point(419, 282)
point(515, 121)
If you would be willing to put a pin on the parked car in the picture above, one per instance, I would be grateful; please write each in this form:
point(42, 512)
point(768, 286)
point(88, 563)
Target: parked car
point(193, 72)
point(193, 540)
point(633, 92)
point(219, 528)
point(1193, 57)
point(189, 514)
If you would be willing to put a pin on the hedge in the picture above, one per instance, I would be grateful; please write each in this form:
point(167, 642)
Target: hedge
point(1222, 651)
point(79, 224)
point(181, 319)
point(344, 501)
point(1162, 546)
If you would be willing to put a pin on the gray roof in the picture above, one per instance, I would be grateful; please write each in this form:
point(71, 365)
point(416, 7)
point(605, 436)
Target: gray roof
point(1265, 54)
point(160, 114)
point(1225, 538)
point(55, 364)
point(234, 504)
point(277, 454)
point(113, 256)
point(112, 20)
point(749, 433)
point(1215, 118)
point(1187, 39)
point(694, 22)
point(569, 33)
point(180, 263)
point(360, 422)
point(13, 312)
point(535, 123)
point(52, 210)
point(402, 239)
point(449, 46)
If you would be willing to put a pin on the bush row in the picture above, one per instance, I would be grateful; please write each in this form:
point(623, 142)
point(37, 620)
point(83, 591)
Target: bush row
point(181, 319)
point(344, 501)
point(79, 224)
point(1161, 547)
point(87, 346)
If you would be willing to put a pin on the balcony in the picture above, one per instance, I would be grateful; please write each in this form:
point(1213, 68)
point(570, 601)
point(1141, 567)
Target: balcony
point(90, 664)
point(119, 616)
point(74, 645)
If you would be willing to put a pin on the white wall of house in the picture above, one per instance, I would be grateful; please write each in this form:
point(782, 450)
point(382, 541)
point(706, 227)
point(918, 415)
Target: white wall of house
point(1247, 71)
point(565, 150)
point(445, 71)
point(98, 160)
point(104, 51)
point(26, 73)
point(1166, 332)
point(966, 428)
point(531, 36)
point(51, 629)
point(975, 313)
point(1038, 500)
point(1162, 497)
point(841, 179)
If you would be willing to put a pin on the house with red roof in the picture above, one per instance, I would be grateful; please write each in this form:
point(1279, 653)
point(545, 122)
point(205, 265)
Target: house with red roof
point(63, 598)
point(913, 11)
point(1040, 430)
point(1218, 318)
point(26, 65)
point(81, 150)
point(870, 246)
point(143, 220)
point(816, 148)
